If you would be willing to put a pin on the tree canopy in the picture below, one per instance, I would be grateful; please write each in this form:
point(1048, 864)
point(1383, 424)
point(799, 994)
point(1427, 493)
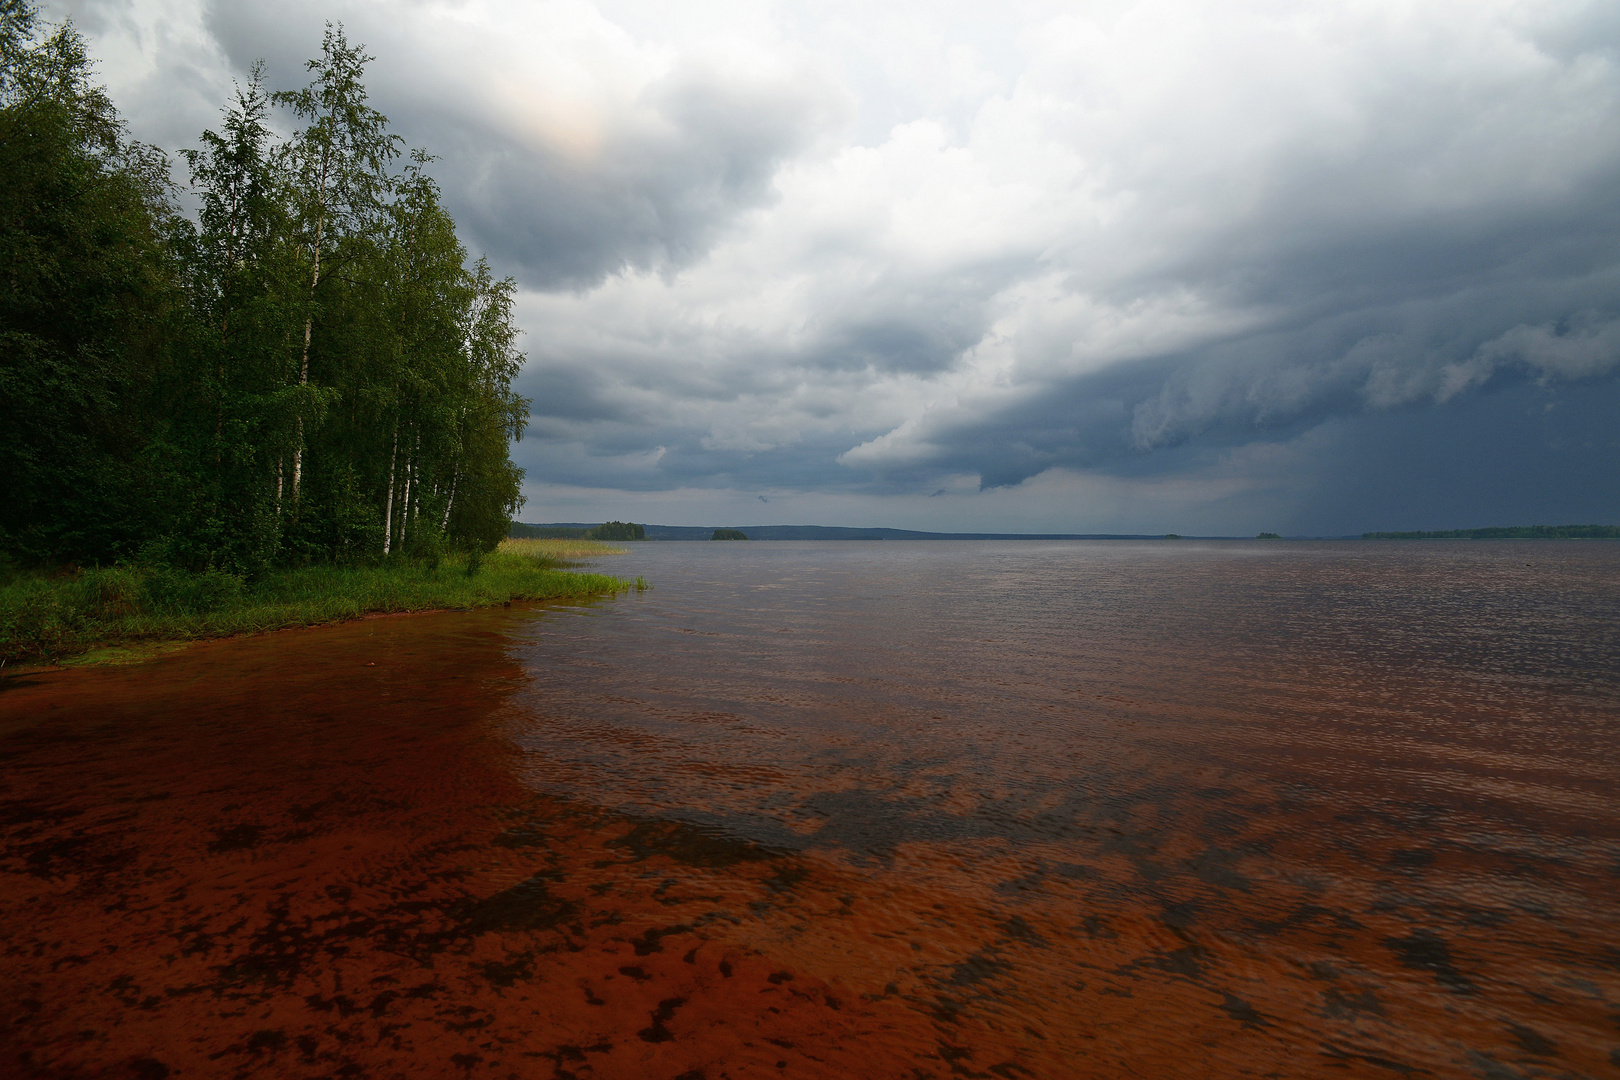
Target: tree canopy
point(310, 367)
point(618, 530)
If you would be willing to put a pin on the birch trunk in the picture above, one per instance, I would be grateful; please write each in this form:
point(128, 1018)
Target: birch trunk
point(405, 510)
point(413, 491)
point(309, 321)
point(388, 508)
point(444, 525)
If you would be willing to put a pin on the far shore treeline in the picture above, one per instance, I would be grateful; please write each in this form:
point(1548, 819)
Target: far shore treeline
point(1508, 532)
point(608, 530)
point(307, 369)
point(619, 530)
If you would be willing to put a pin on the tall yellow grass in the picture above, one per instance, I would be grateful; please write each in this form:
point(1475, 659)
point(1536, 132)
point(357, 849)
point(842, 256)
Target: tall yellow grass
point(559, 549)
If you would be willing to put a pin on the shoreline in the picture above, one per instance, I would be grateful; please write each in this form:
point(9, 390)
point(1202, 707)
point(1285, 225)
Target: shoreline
point(124, 615)
point(139, 652)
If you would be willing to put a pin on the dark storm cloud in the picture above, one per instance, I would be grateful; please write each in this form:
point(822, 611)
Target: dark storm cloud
point(646, 200)
point(907, 325)
point(1215, 255)
point(614, 457)
point(1502, 278)
point(1551, 453)
point(923, 342)
point(1419, 354)
point(566, 393)
point(646, 179)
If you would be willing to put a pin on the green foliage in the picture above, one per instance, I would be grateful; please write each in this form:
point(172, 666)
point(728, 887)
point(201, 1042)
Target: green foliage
point(1268, 536)
point(44, 618)
point(729, 534)
point(617, 530)
point(87, 303)
point(312, 370)
point(1508, 532)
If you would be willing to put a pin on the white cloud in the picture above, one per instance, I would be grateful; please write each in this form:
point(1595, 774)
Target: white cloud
point(1577, 352)
point(841, 247)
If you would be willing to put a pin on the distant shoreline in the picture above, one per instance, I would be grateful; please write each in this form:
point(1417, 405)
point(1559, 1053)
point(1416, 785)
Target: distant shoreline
point(838, 532)
point(1508, 532)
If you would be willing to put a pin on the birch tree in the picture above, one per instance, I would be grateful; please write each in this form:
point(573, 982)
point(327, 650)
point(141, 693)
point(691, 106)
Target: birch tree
point(338, 167)
point(310, 370)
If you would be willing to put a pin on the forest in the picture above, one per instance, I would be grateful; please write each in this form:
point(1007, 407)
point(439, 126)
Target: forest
point(271, 351)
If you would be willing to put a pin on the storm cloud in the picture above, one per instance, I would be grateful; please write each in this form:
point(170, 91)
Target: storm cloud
point(1126, 265)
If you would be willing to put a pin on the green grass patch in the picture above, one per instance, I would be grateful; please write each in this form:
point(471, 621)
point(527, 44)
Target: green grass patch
point(122, 612)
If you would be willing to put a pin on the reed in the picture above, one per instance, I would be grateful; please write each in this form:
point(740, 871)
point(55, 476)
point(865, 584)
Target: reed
point(48, 618)
point(559, 549)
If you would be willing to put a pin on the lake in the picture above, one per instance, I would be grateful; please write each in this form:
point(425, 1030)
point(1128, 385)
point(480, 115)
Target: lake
point(887, 809)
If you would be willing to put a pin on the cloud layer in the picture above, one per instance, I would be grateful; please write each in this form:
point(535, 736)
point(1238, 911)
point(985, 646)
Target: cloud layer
point(1125, 265)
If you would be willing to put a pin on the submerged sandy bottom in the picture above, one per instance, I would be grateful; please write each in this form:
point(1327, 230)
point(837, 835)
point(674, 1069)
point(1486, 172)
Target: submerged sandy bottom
point(497, 844)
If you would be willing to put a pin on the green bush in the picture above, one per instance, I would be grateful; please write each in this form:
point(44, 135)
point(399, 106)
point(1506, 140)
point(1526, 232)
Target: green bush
point(110, 593)
point(428, 547)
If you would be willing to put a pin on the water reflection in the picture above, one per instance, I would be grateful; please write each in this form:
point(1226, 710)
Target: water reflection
point(888, 810)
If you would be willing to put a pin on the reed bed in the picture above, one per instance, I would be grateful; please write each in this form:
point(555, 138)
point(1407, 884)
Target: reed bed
point(559, 549)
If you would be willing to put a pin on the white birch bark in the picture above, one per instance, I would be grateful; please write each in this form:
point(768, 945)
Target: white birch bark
point(451, 501)
point(413, 489)
point(405, 509)
point(309, 321)
point(388, 508)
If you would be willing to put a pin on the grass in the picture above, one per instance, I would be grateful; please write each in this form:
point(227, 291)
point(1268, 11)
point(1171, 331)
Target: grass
point(127, 612)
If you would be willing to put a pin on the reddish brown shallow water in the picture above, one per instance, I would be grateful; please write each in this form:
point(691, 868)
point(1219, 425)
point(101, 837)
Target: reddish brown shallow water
point(1016, 810)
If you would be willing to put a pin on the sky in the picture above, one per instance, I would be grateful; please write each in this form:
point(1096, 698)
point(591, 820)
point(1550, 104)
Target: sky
point(1309, 268)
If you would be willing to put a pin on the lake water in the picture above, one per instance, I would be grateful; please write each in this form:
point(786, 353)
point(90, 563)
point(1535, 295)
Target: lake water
point(1007, 809)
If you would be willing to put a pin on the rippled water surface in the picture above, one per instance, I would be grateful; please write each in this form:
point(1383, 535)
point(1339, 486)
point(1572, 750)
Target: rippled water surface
point(871, 809)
